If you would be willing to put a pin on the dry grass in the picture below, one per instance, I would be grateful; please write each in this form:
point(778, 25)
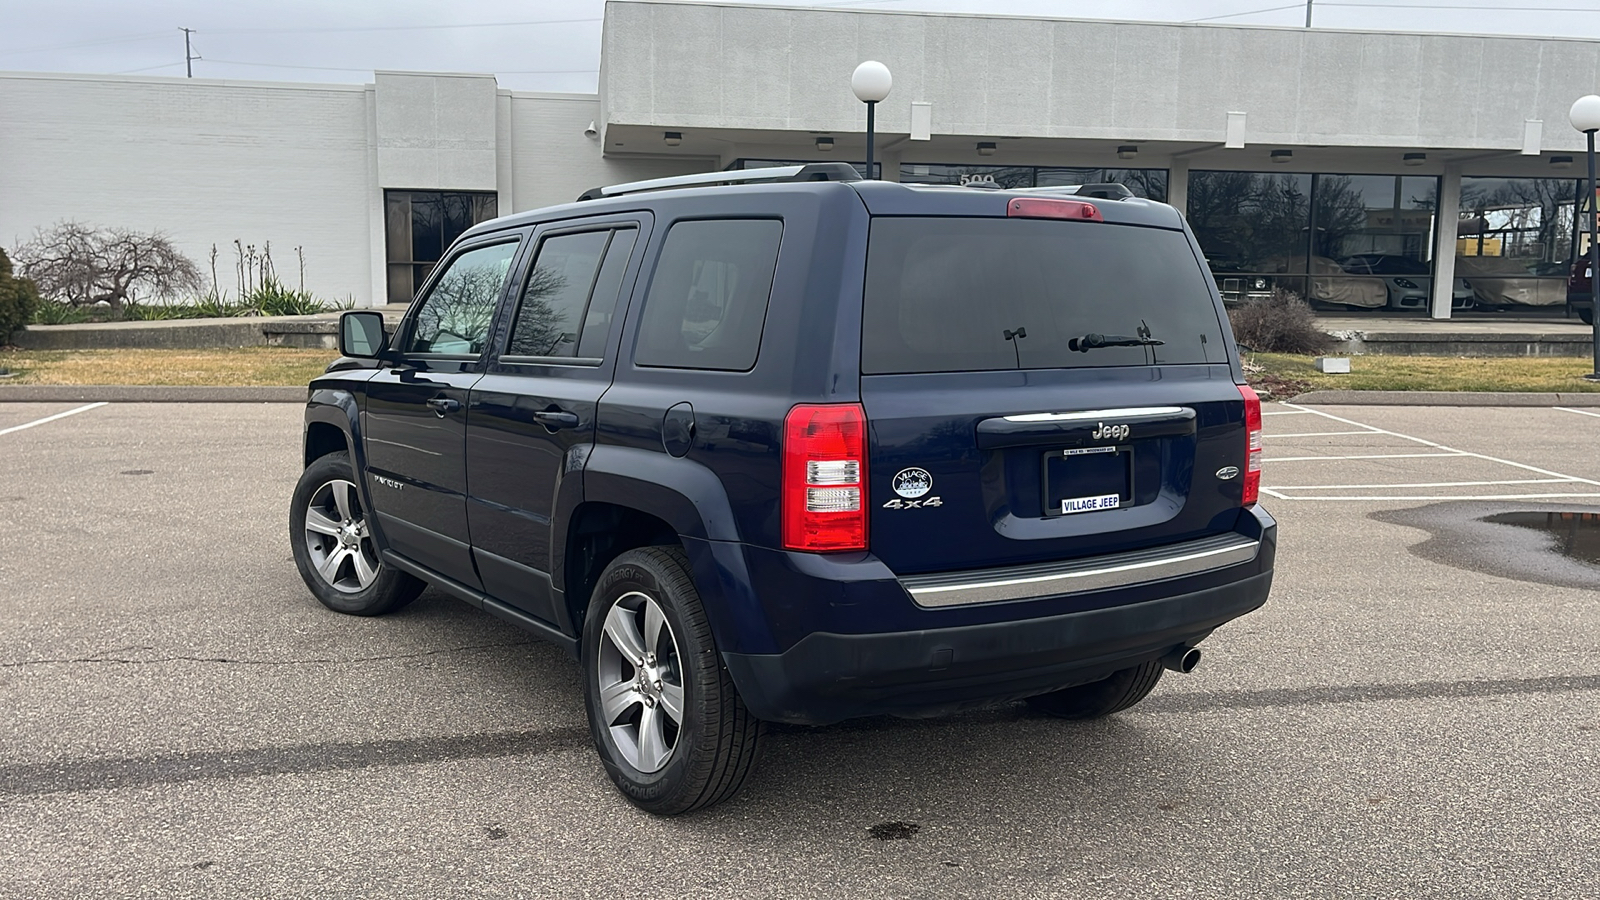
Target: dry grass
point(249, 366)
point(1428, 373)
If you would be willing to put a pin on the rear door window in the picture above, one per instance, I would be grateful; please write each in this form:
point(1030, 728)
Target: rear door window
point(708, 300)
point(970, 294)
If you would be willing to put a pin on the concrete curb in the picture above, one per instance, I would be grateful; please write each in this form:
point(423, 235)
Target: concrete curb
point(320, 331)
point(1445, 398)
point(114, 393)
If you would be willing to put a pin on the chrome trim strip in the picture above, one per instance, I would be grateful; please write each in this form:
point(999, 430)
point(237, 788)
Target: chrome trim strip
point(674, 181)
point(1117, 570)
point(1096, 414)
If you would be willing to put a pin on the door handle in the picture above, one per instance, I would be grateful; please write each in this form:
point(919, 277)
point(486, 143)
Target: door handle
point(443, 406)
point(555, 418)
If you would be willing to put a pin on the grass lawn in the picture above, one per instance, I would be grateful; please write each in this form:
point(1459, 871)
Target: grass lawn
point(247, 366)
point(1287, 375)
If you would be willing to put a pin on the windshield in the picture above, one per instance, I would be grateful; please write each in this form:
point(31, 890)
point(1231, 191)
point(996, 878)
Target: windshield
point(970, 294)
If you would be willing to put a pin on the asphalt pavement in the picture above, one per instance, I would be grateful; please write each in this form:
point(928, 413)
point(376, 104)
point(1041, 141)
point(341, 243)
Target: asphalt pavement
point(182, 719)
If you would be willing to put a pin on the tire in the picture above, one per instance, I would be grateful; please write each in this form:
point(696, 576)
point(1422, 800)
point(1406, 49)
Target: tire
point(1100, 698)
point(631, 684)
point(327, 520)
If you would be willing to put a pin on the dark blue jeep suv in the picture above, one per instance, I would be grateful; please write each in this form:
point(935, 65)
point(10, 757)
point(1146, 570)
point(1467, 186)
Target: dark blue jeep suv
point(802, 450)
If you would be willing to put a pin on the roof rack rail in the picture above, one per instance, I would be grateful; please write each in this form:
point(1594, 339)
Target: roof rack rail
point(828, 171)
point(1106, 191)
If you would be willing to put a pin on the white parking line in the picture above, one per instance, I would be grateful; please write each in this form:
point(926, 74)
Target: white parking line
point(1431, 497)
point(1321, 434)
point(1555, 477)
point(1578, 411)
point(1288, 412)
point(1275, 459)
point(1426, 484)
point(59, 415)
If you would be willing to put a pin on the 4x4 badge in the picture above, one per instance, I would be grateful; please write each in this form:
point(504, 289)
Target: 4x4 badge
point(913, 482)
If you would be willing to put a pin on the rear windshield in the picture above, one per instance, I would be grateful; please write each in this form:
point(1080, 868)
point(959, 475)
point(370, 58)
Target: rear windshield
point(962, 295)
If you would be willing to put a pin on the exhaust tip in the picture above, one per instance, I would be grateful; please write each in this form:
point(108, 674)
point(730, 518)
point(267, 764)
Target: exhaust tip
point(1181, 659)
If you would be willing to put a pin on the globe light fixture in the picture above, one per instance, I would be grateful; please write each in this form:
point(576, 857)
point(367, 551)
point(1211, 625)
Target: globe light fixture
point(1585, 117)
point(871, 82)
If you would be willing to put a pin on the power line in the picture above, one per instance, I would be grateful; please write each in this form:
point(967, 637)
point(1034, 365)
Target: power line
point(356, 28)
point(267, 65)
point(94, 43)
point(146, 69)
point(1453, 6)
point(1250, 13)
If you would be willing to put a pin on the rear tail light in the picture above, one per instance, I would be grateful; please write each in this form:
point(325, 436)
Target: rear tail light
point(1051, 208)
point(1252, 453)
point(823, 503)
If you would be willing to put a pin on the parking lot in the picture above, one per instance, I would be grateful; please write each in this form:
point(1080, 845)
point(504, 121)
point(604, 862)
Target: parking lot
point(1408, 716)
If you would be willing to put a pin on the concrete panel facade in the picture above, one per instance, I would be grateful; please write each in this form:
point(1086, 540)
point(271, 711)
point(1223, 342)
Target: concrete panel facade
point(700, 65)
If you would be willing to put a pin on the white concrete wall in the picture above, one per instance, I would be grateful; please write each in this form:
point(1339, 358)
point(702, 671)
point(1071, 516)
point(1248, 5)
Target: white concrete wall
point(204, 161)
point(436, 132)
point(698, 65)
point(553, 161)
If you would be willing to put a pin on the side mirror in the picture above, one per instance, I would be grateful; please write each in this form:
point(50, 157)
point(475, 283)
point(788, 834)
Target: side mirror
point(361, 334)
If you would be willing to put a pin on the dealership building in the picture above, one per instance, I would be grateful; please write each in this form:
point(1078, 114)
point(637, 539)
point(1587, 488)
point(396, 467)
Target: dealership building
point(1380, 173)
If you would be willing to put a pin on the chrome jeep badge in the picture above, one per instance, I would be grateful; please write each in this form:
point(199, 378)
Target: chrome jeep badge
point(1114, 432)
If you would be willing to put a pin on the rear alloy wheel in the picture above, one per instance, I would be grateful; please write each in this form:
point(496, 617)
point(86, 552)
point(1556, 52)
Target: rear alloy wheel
point(331, 535)
point(666, 719)
point(1115, 693)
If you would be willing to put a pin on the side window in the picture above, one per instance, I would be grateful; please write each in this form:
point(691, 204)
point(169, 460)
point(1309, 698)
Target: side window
point(708, 299)
point(597, 321)
point(553, 300)
point(455, 315)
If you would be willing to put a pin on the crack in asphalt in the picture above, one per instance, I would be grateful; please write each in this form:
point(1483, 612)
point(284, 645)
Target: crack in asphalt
point(103, 657)
point(1368, 693)
point(70, 776)
point(74, 775)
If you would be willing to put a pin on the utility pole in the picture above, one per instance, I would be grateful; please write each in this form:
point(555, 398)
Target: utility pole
point(1308, 13)
point(189, 57)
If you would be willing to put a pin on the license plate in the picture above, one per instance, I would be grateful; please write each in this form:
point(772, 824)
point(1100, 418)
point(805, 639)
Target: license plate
point(1086, 479)
point(1089, 504)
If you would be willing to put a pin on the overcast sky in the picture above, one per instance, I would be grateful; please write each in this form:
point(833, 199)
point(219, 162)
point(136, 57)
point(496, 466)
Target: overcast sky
point(554, 45)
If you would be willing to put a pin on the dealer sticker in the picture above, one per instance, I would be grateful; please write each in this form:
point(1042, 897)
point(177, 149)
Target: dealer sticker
point(1088, 504)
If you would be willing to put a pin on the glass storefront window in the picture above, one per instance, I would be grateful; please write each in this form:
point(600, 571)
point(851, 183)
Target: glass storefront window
point(1150, 184)
point(1514, 240)
point(1343, 242)
point(421, 225)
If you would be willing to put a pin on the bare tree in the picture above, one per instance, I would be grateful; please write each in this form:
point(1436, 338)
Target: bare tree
point(85, 264)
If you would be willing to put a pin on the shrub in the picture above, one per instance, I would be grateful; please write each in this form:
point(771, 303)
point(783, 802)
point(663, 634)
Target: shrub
point(272, 298)
point(19, 299)
point(1280, 323)
point(86, 264)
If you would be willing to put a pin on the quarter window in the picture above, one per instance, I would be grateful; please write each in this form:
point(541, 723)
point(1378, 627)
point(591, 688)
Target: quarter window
point(708, 300)
point(455, 315)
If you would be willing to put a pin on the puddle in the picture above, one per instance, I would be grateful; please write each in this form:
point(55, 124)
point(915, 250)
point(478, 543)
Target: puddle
point(1577, 534)
point(1549, 546)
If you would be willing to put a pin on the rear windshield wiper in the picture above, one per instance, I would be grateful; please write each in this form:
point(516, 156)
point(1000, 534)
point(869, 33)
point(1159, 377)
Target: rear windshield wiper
point(1092, 340)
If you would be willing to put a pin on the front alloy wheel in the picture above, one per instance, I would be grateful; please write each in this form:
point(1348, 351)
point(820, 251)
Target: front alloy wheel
point(338, 539)
point(330, 532)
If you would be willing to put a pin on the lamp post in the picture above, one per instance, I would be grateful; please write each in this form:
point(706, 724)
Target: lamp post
point(871, 82)
point(1585, 116)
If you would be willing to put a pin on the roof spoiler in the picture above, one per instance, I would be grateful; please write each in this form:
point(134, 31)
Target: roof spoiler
point(828, 171)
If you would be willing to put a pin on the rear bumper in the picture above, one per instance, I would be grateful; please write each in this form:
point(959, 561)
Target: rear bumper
point(1580, 299)
point(827, 677)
